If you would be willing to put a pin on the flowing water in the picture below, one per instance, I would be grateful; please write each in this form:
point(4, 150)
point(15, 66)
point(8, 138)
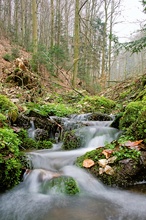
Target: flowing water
point(95, 201)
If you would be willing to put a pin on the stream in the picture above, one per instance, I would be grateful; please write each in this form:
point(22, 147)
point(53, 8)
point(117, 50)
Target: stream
point(95, 200)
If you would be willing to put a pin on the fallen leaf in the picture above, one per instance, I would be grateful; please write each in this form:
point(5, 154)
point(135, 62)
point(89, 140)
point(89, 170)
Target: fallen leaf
point(107, 152)
point(112, 159)
point(88, 163)
point(101, 170)
point(103, 162)
point(133, 144)
point(108, 170)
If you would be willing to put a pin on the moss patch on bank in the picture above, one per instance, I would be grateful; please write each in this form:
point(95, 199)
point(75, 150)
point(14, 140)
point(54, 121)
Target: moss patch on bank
point(61, 185)
point(133, 121)
point(8, 108)
point(123, 161)
point(10, 159)
point(96, 104)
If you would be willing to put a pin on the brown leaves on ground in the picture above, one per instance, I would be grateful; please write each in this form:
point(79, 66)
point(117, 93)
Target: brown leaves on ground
point(107, 153)
point(137, 145)
point(87, 163)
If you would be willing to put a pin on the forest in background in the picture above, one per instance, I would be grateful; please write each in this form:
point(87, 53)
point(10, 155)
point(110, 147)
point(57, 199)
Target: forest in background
point(73, 36)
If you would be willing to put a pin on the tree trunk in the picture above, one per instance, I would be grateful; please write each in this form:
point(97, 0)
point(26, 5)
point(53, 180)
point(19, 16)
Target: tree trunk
point(52, 23)
point(76, 44)
point(103, 70)
point(16, 20)
point(34, 28)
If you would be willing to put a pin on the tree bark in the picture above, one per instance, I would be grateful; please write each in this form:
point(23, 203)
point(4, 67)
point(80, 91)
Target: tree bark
point(34, 28)
point(76, 44)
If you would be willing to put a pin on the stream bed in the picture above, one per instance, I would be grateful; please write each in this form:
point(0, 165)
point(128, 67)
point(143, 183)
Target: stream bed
point(95, 200)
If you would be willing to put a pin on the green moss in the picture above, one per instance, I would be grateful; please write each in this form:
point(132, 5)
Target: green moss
point(44, 144)
point(94, 155)
point(3, 120)
point(15, 53)
point(144, 98)
point(10, 162)
point(71, 141)
point(121, 152)
point(96, 104)
point(134, 120)
point(130, 115)
point(29, 143)
point(8, 57)
point(138, 128)
point(56, 109)
point(124, 94)
point(63, 184)
point(8, 108)
point(141, 95)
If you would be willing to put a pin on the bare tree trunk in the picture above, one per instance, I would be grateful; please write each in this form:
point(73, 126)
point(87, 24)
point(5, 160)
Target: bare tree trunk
point(16, 20)
point(22, 21)
point(9, 16)
point(52, 23)
point(104, 43)
point(34, 22)
point(110, 40)
point(76, 44)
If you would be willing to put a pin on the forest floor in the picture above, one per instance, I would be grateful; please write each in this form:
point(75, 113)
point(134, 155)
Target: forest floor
point(51, 84)
point(58, 84)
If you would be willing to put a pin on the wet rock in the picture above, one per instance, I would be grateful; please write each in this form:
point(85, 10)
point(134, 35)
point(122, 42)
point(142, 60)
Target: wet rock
point(44, 126)
point(121, 173)
point(71, 141)
point(41, 134)
point(99, 117)
point(63, 184)
point(116, 121)
point(23, 121)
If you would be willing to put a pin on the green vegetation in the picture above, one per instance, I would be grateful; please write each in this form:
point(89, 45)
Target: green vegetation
point(131, 113)
point(138, 128)
point(59, 110)
point(125, 164)
point(50, 59)
point(12, 56)
point(119, 150)
point(29, 143)
point(63, 184)
point(3, 120)
point(8, 108)
point(71, 141)
point(125, 94)
point(134, 120)
point(10, 159)
point(96, 104)
point(94, 155)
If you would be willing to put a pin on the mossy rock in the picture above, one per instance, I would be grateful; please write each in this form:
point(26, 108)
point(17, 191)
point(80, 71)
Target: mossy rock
point(124, 95)
point(138, 128)
point(10, 162)
point(97, 116)
point(141, 95)
point(130, 115)
point(49, 109)
point(71, 141)
point(8, 108)
point(29, 143)
point(126, 166)
point(60, 185)
point(3, 120)
point(96, 104)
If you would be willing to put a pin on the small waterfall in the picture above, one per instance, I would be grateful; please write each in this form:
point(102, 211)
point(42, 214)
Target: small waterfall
point(31, 130)
point(95, 201)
